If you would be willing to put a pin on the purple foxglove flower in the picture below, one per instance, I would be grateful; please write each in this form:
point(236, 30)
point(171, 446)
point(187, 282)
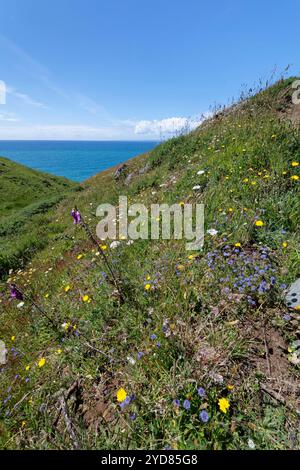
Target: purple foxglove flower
point(76, 216)
point(15, 293)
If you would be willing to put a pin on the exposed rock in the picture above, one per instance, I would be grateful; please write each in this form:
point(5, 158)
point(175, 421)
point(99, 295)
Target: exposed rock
point(144, 170)
point(120, 171)
point(129, 179)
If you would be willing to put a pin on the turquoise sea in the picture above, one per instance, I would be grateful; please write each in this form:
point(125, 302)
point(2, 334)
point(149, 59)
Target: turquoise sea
point(76, 160)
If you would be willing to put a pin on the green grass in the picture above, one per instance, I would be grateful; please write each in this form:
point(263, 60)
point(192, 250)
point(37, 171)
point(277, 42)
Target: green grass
point(210, 330)
point(26, 197)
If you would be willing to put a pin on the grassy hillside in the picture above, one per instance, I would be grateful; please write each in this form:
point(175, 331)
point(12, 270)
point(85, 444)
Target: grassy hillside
point(203, 348)
point(26, 196)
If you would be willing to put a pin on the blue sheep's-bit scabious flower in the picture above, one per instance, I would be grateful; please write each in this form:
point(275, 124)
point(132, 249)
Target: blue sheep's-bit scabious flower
point(76, 216)
point(153, 337)
point(186, 404)
point(125, 402)
point(201, 392)
point(204, 416)
point(176, 402)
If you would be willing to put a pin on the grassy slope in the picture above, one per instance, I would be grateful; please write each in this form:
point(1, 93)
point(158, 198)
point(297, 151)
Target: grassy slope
point(26, 196)
point(217, 316)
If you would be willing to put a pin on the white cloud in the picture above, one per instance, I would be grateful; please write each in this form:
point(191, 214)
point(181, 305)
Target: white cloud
point(170, 126)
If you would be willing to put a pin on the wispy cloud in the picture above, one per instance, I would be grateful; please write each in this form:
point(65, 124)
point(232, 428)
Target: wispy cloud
point(92, 107)
point(39, 72)
point(24, 97)
point(8, 117)
point(65, 132)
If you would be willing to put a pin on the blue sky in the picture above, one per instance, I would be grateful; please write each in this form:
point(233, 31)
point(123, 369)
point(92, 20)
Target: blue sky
point(129, 69)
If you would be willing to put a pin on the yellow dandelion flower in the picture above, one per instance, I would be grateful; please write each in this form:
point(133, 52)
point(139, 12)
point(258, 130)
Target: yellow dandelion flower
point(147, 286)
point(245, 180)
point(27, 367)
point(295, 164)
point(298, 307)
point(121, 395)
point(13, 338)
point(259, 223)
point(253, 183)
point(67, 288)
point(191, 257)
point(42, 362)
point(79, 256)
point(223, 405)
point(284, 172)
point(23, 424)
point(295, 177)
point(284, 244)
point(230, 387)
point(103, 247)
point(85, 298)
point(230, 209)
point(59, 351)
point(148, 278)
point(46, 296)
point(238, 245)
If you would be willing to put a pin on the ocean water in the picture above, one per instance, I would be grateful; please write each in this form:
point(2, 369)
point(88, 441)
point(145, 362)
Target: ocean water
point(76, 160)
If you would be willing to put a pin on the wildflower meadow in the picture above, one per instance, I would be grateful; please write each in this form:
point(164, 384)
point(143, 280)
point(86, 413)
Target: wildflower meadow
point(142, 344)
